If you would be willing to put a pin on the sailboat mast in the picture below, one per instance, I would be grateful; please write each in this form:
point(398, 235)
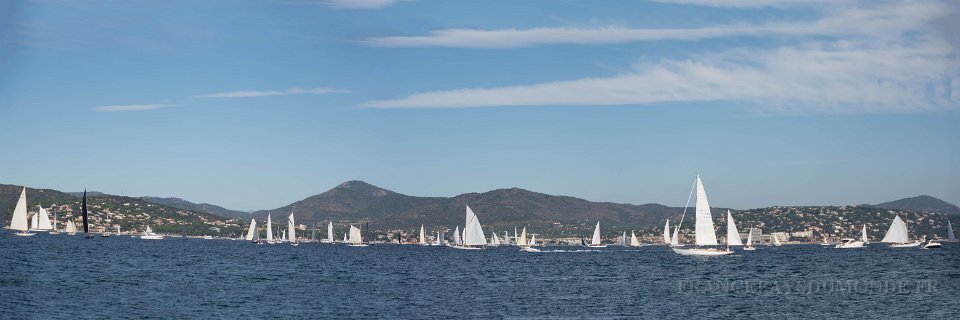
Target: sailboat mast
point(83, 211)
point(684, 214)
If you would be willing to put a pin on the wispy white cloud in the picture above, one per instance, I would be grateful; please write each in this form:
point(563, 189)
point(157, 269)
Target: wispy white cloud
point(270, 93)
point(877, 20)
point(359, 4)
point(874, 58)
point(130, 107)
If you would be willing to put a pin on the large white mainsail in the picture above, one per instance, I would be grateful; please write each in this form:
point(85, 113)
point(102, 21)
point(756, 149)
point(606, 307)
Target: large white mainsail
point(19, 219)
point(330, 232)
point(423, 236)
point(705, 234)
point(522, 240)
point(633, 240)
point(595, 241)
point(472, 231)
point(950, 235)
point(666, 232)
point(733, 237)
point(897, 232)
point(863, 234)
point(252, 230)
point(355, 237)
point(44, 219)
point(269, 228)
point(291, 225)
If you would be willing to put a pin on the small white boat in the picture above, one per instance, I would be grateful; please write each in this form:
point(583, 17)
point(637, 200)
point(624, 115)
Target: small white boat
point(932, 244)
point(634, 242)
point(775, 240)
point(356, 238)
point(749, 246)
point(473, 238)
point(595, 241)
point(529, 249)
point(149, 235)
point(849, 243)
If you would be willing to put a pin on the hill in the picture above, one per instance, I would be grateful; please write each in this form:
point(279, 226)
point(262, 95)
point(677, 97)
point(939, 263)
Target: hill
point(202, 207)
point(921, 203)
point(109, 211)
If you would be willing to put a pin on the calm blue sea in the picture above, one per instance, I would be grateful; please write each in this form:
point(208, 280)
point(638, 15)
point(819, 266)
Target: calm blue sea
point(59, 276)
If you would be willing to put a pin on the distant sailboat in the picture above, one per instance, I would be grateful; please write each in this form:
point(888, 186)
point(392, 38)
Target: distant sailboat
point(666, 233)
point(456, 237)
point(423, 236)
point(149, 235)
point(703, 228)
point(270, 230)
point(473, 237)
point(634, 242)
point(897, 235)
point(863, 234)
point(292, 226)
point(950, 236)
point(54, 229)
point(776, 240)
point(494, 240)
point(19, 219)
point(330, 232)
point(71, 227)
point(252, 230)
point(675, 239)
point(43, 220)
point(86, 216)
point(522, 240)
point(749, 246)
point(439, 241)
point(733, 236)
point(356, 238)
point(595, 240)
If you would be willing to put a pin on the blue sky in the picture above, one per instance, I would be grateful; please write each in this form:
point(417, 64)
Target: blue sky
point(256, 104)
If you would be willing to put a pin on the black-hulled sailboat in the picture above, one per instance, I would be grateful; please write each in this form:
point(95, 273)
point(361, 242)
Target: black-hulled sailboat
point(83, 210)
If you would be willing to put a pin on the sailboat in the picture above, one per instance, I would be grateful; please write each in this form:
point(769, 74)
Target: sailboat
point(666, 233)
point(329, 232)
point(456, 237)
point(675, 240)
point(749, 246)
point(86, 217)
point(356, 238)
point(53, 229)
point(270, 230)
point(950, 236)
point(439, 241)
point(775, 240)
point(149, 235)
point(897, 235)
point(633, 240)
point(252, 231)
point(473, 237)
point(863, 235)
point(522, 239)
point(529, 246)
point(595, 241)
point(71, 227)
point(19, 219)
point(345, 238)
point(292, 237)
point(506, 237)
point(423, 236)
point(41, 220)
point(733, 236)
point(494, 240)
point(703, 228)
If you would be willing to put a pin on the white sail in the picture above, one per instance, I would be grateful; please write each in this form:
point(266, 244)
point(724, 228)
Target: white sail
point(345, 238)
point(897, 232)
point(950, 235)
point(71, 227)
point(252, 230)
point(330, 232)
point(34, 221)
point(269, 228)
point(516, 236)
point(623, 239)
point(522, 240)
point(705, 234)
point(494, 240)
point(666, 233)
point(149, 231)
point(456, 237)
point(472, 231)
point(19, 219)
point(283, 235)
point(439, 239)
point(863, 234)
point(776, 239)
point(633, 240)
point(750, 237)
point(423, 236)
point(355, 237)
point(506, 236)
point(595, 241)
point(533, 240)
point(675, 240)
point(55, 222)
point(733, 236)
point(44, 219)
point(291, 225)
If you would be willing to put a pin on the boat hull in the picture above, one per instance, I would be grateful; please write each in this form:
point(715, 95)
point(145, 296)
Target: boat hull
point(850, 245)
point(749, 249)
point(151, 237)
point(24, 234)
point(358, 245)
point(906, 245)
point(597, 246)
point(466, 248)
point(701, 252)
